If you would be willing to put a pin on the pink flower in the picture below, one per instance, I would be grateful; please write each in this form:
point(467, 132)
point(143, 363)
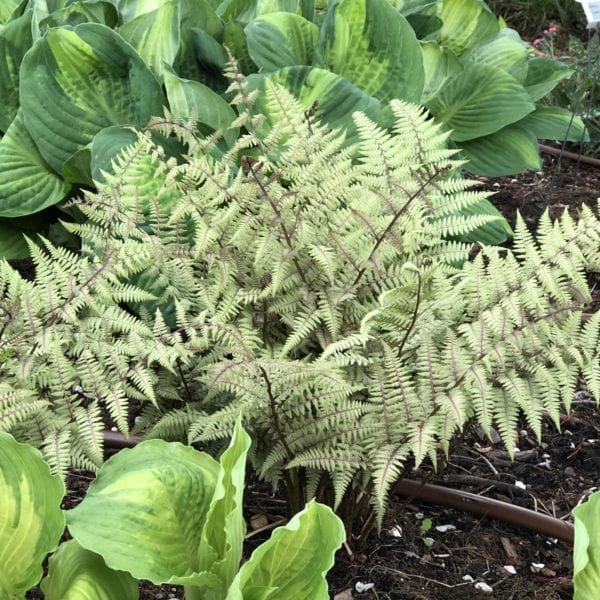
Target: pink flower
point(537, 42)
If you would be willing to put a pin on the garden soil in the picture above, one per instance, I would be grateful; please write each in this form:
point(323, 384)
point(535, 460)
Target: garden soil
point(425, 552)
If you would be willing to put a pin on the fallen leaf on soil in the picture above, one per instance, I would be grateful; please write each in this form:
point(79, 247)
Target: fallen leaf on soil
point(345, 595)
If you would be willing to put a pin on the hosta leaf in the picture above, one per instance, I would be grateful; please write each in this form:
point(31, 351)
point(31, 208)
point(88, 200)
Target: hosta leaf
point(193, 100)
point(372, 45)
point(220, 549)
point(157, 495)
point(504, 50)
point(6, 9)
point(155, 36)
point(294, 561)
point(543, 76)
point(31, 521)
point(27, 183)
point(586, 551)
point(555, 123)
point(75, 82)
point(464, 23)
point(74, 573)
point(440, 64)
point(15, 39)
point(82, 12)
point(478, 101)
point(511, 150)
point(234, 38)
point(279, 40)
point(336, 98)
point(246, 10)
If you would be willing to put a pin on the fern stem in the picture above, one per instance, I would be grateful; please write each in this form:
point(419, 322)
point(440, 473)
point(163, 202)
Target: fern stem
point(436, 173)
point(415, 313)
point(274, 415)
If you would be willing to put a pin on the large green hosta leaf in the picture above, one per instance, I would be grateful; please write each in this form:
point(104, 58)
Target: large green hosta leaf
point(155, 36)
point(279, 40)
point(85, 11)
point(27, 183)
point(586, 551)
point(334, 97)
point(440, 64)
point(76, 82)
point(75, 574)
point(294, 561)
point(478, 101)
point(543, 76)
point(504, 50)
point(15, 39)
point(555, 123)
point(464, 23)
point(31, 521)
point(511, 150)
point(193, 100)
point(372, 45)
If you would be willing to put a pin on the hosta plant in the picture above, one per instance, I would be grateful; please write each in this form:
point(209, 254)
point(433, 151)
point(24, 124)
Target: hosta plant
point(315, 290)
point(586, 550)
point(162, 512)
point(77, 74)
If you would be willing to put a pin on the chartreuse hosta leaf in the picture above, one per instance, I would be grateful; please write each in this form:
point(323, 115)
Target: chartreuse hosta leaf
point(372, 45)
point(31, 521)
point(81, 12)
point(157, 495)
point(479, 100)
point(27, 183)
point(294, 561)
point(282, 39)
point(586, 550)
point(6, 9)
point(155, 36)
point(75, 573)
point(464, 23)
point(15, 39)
point(75, 82)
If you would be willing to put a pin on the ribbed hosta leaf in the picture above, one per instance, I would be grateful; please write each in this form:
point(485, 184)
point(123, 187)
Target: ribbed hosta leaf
point(372, 45)
point(27, 183)
point(75, 82)
point(15, 39)
point(31, 521)
point(543, 76)
point(465, 22)
point(155, 36)
point(157, 495)
point(555, 123)
point(478, 101)
point(293, 562)
point(520, 151)
point(74, 572)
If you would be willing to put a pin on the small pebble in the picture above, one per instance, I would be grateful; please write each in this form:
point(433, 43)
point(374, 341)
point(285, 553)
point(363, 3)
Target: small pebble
point(484, 587)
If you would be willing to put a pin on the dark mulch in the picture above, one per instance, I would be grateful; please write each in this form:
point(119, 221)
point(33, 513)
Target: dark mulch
point(551, 477)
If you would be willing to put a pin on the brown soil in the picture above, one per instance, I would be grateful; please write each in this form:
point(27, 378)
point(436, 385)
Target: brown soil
point(557, 473)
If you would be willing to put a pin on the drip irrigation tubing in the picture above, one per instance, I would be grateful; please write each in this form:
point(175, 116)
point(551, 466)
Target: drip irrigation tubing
point(588, 160)
point(488, 507)
point(441, 496)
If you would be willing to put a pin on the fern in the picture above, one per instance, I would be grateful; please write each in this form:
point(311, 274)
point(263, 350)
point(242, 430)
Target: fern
point(307, 284)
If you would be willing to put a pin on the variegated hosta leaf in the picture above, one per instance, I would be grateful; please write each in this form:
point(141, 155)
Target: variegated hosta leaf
point(294, 561)
point(586, 550)
point(75, 82)
point(372, 45)
point(75, 573)
point(157, 495)
point(31, 521)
